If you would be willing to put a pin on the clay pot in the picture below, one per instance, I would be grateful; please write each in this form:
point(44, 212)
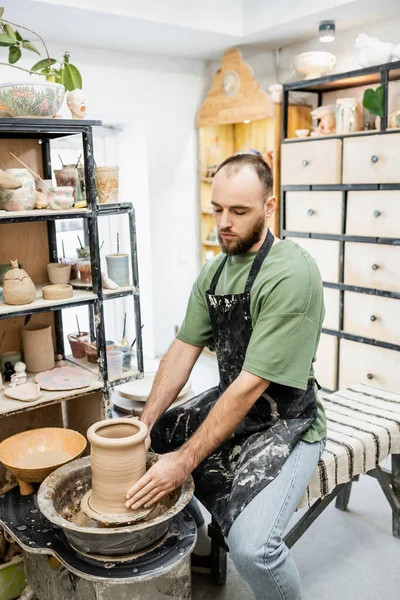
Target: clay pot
point(38, 348)
point(118, 459)
point(22, 198)
point(18, 286)
point(59, 273)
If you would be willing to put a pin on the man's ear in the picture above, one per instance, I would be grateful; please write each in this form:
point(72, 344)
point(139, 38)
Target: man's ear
point(270, 206)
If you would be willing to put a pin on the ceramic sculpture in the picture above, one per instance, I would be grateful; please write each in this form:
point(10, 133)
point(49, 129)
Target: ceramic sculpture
point(314, 64)
point(370, 51)
point(77, 103)
point(18, 286)
point(325, 115)
point(19, 376)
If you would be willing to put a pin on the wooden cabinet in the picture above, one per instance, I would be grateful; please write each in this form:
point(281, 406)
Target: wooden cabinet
point(363, 363)
point(316, 212)
point(373, 317)
point(374, 213)
point(305, 163)
point(371, 159)
point(375, 266)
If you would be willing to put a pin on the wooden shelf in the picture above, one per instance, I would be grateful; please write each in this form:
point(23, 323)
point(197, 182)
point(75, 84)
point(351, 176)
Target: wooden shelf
point(9, 406)
point(125, 290)
point(43, 215)
point(94, 369)
point(339, 136)
point(209, 243)
point(41, 305)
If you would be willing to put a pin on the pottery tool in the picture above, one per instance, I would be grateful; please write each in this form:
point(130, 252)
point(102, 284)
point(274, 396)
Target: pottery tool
point(117, 243)
point(78, 161)
point(29, 169)
point(133, 343)
point(77, 324)
point(80, 243)
point(61, 161)
point(63, 249)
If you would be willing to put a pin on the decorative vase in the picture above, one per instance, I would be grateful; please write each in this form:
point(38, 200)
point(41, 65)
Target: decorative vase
point(18, 286)
point(38, 348)
point(314, 64)
point(347, 116)
point(23, 198)
point(77, 103)
point(118, 460)
point(107, 184)
point(59, 273)
point(118, 268)
point(32, 99)
point(61, 198)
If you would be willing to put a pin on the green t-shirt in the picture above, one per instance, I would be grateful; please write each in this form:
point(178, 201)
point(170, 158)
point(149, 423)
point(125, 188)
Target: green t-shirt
point(287, 311)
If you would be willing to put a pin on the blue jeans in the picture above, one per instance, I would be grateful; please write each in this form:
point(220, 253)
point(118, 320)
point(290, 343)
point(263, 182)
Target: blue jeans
point(255, 538)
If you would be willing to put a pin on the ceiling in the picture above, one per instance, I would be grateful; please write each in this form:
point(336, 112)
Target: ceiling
point(190, 28)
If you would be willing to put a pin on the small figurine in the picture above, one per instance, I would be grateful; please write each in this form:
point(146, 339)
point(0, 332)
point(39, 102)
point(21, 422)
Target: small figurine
point(77, 103)
point(8, 371)
point(108, 283)
point(327, 123)
point(19, 376)
point(60, 362)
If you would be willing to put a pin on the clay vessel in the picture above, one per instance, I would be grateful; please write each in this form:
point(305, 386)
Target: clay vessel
point(18, 286)
point(38, 348)
point(58, 273)
point(118, 459)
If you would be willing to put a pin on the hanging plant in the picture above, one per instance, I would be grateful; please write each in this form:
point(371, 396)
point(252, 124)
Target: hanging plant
point(58, 71)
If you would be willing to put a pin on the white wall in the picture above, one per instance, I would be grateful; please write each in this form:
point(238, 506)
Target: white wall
point(161, 95)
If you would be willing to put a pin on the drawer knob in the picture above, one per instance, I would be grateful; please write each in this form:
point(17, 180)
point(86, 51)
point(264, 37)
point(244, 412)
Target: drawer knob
point(305, 163)
point(373, 318)
point(374, 158)
point(377, 213)
point(375, 267)
point(370, 376)
point(310, 212)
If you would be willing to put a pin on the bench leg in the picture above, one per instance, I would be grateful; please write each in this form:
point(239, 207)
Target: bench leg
point(396, 491)
point(342, 499)
point(219, 555)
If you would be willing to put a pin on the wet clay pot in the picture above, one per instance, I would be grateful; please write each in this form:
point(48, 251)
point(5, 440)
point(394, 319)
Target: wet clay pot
point(118, 459)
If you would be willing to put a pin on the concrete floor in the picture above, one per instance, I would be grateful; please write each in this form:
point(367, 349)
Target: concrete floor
point(344, 555)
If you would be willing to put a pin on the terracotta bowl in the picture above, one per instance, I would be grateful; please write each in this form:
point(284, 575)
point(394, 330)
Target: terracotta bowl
point(57, 292)
point(33, 455)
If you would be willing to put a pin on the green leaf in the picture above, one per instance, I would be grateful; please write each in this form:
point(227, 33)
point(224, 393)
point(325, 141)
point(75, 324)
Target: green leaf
point(72, 78)
point(14, 55)
point(19, 36)
point(10, 31)
point(373, 101)
point(1, 11)
point(30, 46)
point(6, 40)
point(42, 64)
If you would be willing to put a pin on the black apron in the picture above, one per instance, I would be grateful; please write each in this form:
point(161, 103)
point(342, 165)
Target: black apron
point(253, 456)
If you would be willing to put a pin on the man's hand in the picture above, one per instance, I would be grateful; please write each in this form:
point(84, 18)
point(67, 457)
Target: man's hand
point(169, 472)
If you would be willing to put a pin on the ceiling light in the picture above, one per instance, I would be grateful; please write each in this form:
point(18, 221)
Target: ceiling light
point(246, 121)
point(327, 31)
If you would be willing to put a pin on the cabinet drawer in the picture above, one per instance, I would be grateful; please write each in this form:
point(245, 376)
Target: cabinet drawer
point(362, 363)
point(374, 213)
point(308, 163)
point(316, 212)
point(332, 303)
point(372, 159)
point(326, 255)
point(325, 367)
point(373, 317)
point(374, 266)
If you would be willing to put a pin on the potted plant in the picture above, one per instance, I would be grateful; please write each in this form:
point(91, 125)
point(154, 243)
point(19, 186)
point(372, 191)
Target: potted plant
point(42, 99)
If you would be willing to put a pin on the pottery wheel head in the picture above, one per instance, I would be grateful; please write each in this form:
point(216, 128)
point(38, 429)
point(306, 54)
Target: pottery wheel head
point(138, 515)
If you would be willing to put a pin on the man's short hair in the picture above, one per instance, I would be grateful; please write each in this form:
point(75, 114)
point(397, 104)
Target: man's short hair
point(236, 162)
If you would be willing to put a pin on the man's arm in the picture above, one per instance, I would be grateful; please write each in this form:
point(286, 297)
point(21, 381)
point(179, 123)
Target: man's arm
point(173, 372)
point(172, 469)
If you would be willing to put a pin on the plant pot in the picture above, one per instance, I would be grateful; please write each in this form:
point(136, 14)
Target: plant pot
point(107, 184)
point(38, 348)
point(23, 198)
point(32, 99)
point(78, 341)
point(118, 460)
point(58, 273)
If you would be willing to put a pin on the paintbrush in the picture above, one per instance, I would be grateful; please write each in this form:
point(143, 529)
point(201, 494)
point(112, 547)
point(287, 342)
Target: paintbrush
point(80, 243)
point(133, 343)
point(77, 324)
point(62, 164)
point(117, 243)
point(29, 169)
point(62, 243)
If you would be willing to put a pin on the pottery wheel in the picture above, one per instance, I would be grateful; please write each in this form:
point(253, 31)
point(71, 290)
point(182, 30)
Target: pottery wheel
point(138, 515)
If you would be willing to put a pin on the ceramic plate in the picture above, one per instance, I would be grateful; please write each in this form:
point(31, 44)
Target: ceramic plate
point(64, 378)
point(135, 407)
point(140, 388)
point(27, 392)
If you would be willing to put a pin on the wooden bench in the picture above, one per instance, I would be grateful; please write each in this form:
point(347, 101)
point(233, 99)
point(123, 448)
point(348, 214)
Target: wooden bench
point(363, 431)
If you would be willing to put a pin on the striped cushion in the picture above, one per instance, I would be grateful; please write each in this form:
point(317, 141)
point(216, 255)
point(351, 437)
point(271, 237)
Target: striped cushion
point(363, 429)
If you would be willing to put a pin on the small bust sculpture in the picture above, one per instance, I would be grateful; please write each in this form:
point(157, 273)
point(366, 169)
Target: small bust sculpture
point(77, 103)
point(327, 121)
point(19, 376)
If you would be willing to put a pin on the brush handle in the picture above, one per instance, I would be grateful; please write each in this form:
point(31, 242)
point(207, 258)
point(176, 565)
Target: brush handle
point(26, 166)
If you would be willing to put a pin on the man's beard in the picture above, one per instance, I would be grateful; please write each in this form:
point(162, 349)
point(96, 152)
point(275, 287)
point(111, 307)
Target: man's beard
point(241, 245)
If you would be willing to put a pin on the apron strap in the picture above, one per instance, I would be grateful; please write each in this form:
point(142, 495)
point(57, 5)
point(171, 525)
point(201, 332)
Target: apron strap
point(259, 259)
point(217, 275)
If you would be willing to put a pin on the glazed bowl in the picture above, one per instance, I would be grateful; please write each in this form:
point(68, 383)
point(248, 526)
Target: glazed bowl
point(302, 133)
point(314, 64)
point(23, 198)
point(61, 197)
point(24, 99)
point(33, 455)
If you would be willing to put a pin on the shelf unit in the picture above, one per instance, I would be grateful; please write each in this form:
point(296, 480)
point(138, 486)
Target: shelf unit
point(30, 139)
point(364, 342)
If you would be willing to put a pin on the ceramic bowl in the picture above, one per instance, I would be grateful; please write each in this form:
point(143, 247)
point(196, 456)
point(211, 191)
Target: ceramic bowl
point(22, 199)
point(31, 99)
point(61, 198)
point(314, 64)
point(302, 133)
point(59, 273)
point(57, 292)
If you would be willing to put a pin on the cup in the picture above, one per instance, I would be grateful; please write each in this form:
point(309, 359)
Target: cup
point(59, 273)
point(83, 252)
point(69, 176)
point(85, 270)
point(118, 268)
point(78, 341)
point(73, 262)
point(107, 184)
point(60, 198)
point(127, 357)
point(91, 353)
point(115, 363)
